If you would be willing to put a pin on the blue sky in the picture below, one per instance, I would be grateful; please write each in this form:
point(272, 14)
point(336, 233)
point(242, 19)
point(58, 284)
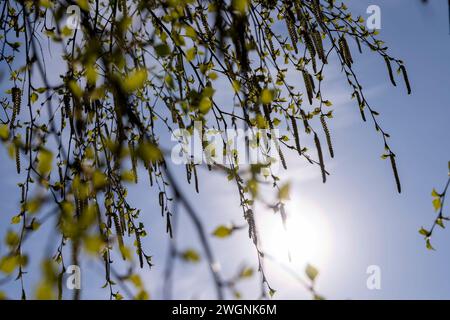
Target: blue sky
point(360, 220)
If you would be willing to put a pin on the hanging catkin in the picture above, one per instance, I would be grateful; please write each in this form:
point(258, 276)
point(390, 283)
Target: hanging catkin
point(270, 42)
point(27, 138)
point(119, 234)
point(188, 173)
point(249, 216)
point(161, 202)
point(139, 248)
point(205, 25)
point(150, 177)
point(123, 7)
point(345, 51)
point(17, 100)
point(405, 76)
point(123, 224)
point(360, 106)
point(305, 121)
point(327, 135)
point(195, 178)
point(22, 188)
point(394, 169)
point(319, 45)
point(296, 134)
point(311, 80)
point(133, 160)
point(358, 43)
point(391, 74)
point(308, 85)
point(267, 111)
point(300, 15)
point(320, 155)
point(66, 100)
point(291, 29)
point(17, 149)
point(317, 10)
point(309, 44)
point(280, 154)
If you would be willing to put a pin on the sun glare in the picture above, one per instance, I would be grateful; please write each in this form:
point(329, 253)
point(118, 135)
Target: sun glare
point(306, 240)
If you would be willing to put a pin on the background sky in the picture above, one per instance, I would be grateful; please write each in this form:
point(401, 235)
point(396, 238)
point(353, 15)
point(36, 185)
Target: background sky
point(356, 219)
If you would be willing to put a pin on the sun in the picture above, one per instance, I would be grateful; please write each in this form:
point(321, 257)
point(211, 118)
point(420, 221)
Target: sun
point(306, 239)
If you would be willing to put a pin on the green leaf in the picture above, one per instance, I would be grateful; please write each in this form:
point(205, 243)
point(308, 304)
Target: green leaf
point(246, 273)
point(35, 225)
point(75, 88)
point(45, 159)
point(83, 4)
point(12, 239)
point(190, 54)
point(149, 152)
point(190, 255)
point(4, 132)
point(266, 96)
point(99, 179)
point(205, 105)
point(190, 32)
point(34, 97)
point(437, 204)
point(424, 232)
point(311, 272)
point(240, 6)
point(222, 232)
point(434, 193)
point(162, 50)
point(135, 80)
point(272, 292)
point(428, 244)
point(15, 219)
point(283, 193)
point(8, 264)
point(440, 223)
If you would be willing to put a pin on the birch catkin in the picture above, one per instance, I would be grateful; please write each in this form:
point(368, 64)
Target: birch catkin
point(305, 121)
point(281, 155)
point(308, 85)
point(405, 77)
point(139, 248)
point(133, 160)
point(270, 42)
point(296, 135)
point(291, 30)
point(17, 149)
point(360, 106)
point(309, 44)
point(119, 234)
point(394, 169)
point(320, 155)
point(319, 45)
point(345, 51)
point(327, 135)
point(16, 96)
point(391, 74)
